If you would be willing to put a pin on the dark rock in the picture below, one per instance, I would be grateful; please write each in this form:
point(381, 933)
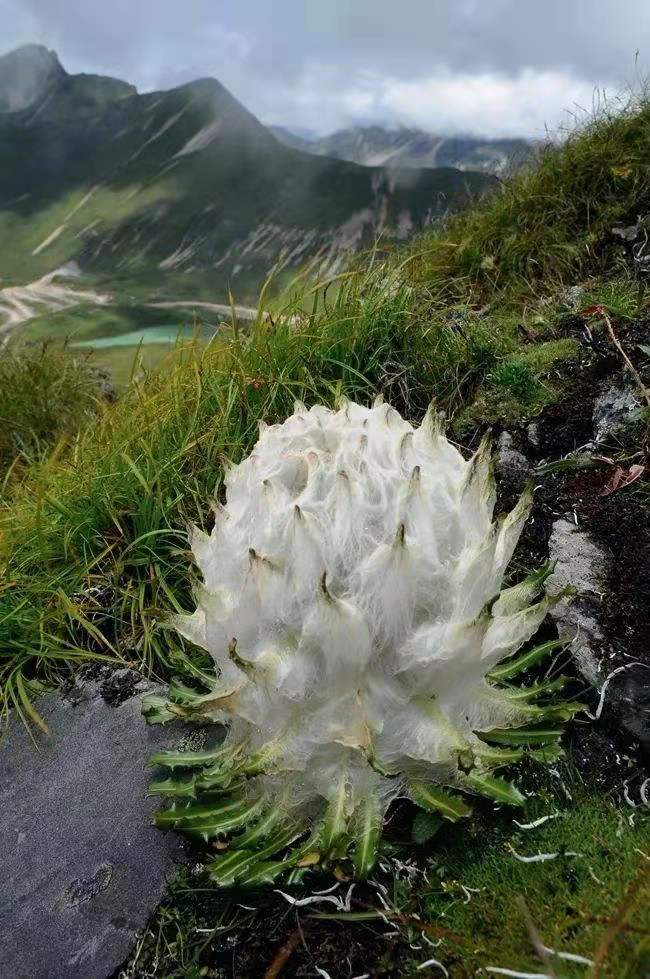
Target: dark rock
point(630, 698)
point(83, 868)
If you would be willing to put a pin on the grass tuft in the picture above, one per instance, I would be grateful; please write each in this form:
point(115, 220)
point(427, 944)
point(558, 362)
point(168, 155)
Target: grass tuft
point(46, 396)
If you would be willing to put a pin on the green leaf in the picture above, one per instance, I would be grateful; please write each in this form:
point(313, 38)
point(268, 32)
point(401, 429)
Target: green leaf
point(514, 667)
point(220, 824)
point(185, 816)
point(535, 690)
point(540, 734)
point(644, 348)
point(238, 864)
point(217, 779)
point(495, 757)
point(266, 872)
point(561, 712)
point(180, 692)
point(158, 710)
point(437, 800)
point(368, 833)
point(180, 788)
point(263, 827)
point(335, 822)
point(196, 759)
point(548, 754)
point(496, 788)
point(518, 597)
point(425, 826)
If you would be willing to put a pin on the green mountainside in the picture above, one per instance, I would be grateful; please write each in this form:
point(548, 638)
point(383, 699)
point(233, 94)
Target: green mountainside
point(183, 191)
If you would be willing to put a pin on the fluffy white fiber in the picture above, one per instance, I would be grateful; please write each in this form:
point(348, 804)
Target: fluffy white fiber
point(352, 604)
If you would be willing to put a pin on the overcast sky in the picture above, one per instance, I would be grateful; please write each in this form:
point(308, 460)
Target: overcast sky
point(491, 67)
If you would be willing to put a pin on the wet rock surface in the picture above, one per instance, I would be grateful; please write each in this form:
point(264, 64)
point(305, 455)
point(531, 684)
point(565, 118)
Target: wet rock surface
point(511, 463)
point(580, 564)
point(83, 868)
point(613, 409)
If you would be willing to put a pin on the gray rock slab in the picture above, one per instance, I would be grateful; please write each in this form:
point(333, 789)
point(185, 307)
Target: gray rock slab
point(82, 866)
point(581, 564)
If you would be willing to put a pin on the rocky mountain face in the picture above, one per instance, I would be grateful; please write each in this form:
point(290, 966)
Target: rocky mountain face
point(27, 75)
point(377, 146)
point(184, 183)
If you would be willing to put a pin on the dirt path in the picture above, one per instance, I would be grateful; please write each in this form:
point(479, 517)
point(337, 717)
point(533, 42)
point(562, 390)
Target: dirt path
point(19, 304)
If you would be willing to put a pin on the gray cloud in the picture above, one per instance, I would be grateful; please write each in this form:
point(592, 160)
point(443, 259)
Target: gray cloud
point(492, 66)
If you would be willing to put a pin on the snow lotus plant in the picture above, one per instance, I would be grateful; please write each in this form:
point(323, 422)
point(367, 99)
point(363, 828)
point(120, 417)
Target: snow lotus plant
point(352, 603)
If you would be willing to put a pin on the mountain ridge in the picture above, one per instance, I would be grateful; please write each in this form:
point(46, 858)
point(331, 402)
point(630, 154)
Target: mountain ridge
point(187, 182)
point(25, 75)
point(410, 147)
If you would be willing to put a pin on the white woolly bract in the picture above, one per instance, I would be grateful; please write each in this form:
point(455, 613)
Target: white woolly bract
point(349, 602)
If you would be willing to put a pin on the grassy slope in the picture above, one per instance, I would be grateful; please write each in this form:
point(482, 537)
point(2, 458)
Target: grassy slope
point(443, 321)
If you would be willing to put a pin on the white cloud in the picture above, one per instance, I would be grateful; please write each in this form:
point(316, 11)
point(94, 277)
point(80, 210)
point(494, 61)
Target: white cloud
point(493, 66)
point(487, 104)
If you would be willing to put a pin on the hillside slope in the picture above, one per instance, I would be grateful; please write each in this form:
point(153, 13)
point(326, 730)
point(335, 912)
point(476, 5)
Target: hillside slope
point(529, 315)
point(188, 185)
point(404, 147)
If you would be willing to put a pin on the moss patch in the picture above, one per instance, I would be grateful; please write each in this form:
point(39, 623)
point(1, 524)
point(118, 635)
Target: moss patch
point(465, 887)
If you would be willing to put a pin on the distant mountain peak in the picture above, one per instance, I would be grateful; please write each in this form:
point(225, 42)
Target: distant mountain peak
point(26, 74)
point(32, 54)
point(403, 146)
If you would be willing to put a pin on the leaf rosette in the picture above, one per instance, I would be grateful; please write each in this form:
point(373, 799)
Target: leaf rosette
point(364, 644)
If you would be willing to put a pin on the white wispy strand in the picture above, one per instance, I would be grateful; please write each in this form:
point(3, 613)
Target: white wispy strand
point(542, 857)
point(432, 963)
point(517, 975)
point(537, 822)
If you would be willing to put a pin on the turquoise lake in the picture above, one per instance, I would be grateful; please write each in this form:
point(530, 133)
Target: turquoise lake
point(152, 334)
